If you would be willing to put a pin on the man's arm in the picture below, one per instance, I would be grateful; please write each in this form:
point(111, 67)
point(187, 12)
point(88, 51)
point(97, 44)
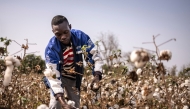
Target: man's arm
point(54, 78)
point(94, 58)
point(51, 73)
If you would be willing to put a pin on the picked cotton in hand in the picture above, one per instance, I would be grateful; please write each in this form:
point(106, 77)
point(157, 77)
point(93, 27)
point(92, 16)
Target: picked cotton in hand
point(71, 103)
point(49, 73)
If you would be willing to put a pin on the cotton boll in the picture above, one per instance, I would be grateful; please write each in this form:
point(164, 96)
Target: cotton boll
point(49, 73)
point(182, 84)
point(185, 107)
point(170, 89)
point(121, 90)
point(187, 81)
point(140, 83)
point(71, 103)
point(162, 52)
point(157, 89)
point(139, 71)
point(147, 107)
point(156, 79)
point(165, 55)
point(42, 106)
point(8, 75)
point(84, 107)
point(135, 56)
point(95, 86)
point(156, 94)
point(116, 65)
point(116, 106)
point(183, 100)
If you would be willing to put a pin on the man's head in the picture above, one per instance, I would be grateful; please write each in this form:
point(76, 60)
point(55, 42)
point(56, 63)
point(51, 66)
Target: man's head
point(61, 28)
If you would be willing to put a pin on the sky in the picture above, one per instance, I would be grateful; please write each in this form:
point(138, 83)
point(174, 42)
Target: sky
point(131, 21)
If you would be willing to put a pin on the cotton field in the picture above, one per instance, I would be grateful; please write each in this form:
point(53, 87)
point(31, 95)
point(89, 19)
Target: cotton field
point(140, 88)
point(147, 85)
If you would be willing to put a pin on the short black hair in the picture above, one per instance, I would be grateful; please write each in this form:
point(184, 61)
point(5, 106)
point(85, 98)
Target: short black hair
point(58, 19)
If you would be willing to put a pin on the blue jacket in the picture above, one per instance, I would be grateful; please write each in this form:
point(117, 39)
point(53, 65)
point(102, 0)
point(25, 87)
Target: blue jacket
point(53, 52)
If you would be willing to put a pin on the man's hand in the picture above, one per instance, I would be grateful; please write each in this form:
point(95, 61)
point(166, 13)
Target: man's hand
point(61, 99)
point(95, 82)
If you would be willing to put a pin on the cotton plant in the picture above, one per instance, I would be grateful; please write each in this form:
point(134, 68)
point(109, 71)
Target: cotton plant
point(145, 92)
point(132, 96)
point(124, 89)
point(10, 62)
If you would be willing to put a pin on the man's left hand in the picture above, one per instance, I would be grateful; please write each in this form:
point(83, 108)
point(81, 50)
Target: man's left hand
point(95, 82)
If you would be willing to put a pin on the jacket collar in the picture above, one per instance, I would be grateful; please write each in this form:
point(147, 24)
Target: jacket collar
point(56, 44)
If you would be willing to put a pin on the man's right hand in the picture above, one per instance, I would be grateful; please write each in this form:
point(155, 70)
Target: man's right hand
point(61, 99)
point(64, 104)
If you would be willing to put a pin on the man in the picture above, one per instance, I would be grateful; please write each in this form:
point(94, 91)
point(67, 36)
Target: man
point(62, 54)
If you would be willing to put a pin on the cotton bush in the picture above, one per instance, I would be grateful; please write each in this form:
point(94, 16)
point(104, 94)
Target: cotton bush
point(10, 62)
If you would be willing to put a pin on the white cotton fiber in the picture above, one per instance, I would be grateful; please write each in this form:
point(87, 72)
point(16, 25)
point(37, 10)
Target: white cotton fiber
point(134, 56)
point(8, 63)
point(139, 71)
point(42, 106)
point(71, 103)
point(48, 73)
point(165, 55)
point(8, 75)
point(9, 58)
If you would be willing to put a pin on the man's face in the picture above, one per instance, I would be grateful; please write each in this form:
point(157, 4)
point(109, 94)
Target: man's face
point(62, 32)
